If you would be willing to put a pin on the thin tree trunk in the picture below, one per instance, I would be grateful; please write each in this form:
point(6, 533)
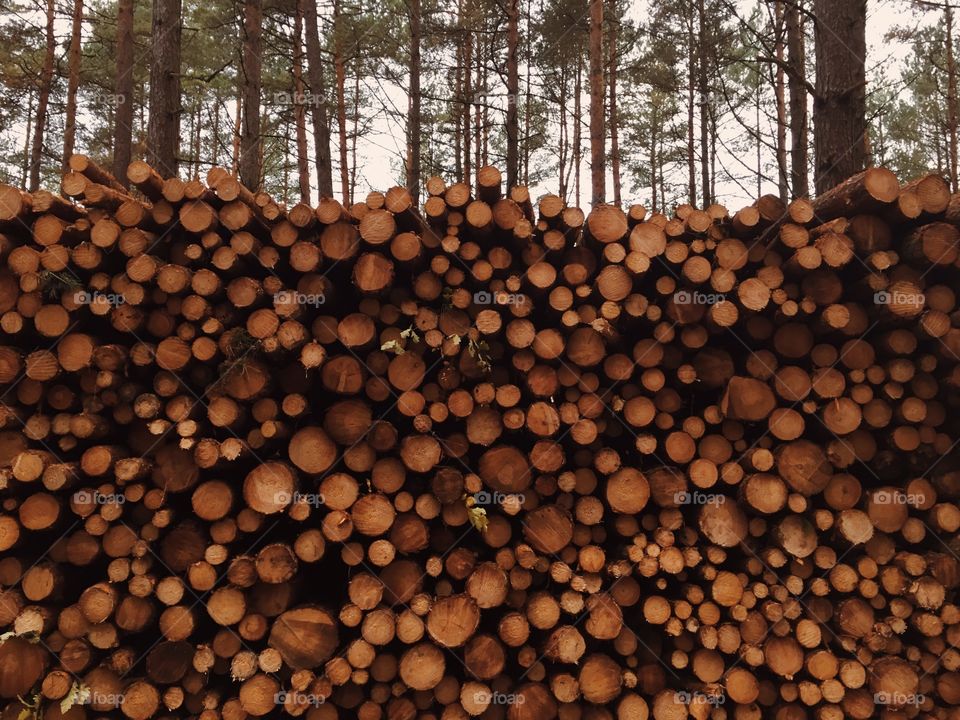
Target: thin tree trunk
point(73, 84)
point(356, 131)
point(597, 134)
point(704, 91)
point(614, 119)
point(951, 96)
point(123, 93)
point(163, 127)
point(215, 130)
point(759, 144)
point(653, 157)
point(251, 140)
point(577, 141)
point(691, 155)
point(457, 115)
point(839, 109)
point(799, 161)
point(341, 74)
point(235, 162)
point(318, 100)
point(513, 91)
point(564, 135)
point(779, 94)
point(526, 113)
point(467, 90)
point(25, 169)
point(481, 99)
point(299, 107)
point(413, 105)
point(43, 100)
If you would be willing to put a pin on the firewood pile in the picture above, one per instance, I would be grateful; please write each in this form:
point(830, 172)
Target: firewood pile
point(493, 458)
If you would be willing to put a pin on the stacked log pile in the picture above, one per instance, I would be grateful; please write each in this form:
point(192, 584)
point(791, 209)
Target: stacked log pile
point(498, 458)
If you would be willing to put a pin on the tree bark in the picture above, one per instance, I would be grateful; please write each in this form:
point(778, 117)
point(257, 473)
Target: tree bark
point(839, 110)
point(413, 105)
point(163, 127)
point(341, 73)
point(704, 91)
point(577, 125)
point(780, 94)
point(691, 83)
point(614, 117)
point(464, 24)
point(597, 134)
point(250, 140)
point(799, 161)
point(318, 100)
point(513, 91)
point(951, 95)
point(300, 110)
point(43, 100)
point(73, 84)
point(123, 93)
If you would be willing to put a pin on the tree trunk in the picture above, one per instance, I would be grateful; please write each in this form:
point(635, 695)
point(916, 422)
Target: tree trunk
point(250, 140)
point(799, 162)
point(704, 90)
point(597, 134)
point(237, 124)
point(839, 110)
point(564, 135)
point(479, 100)
point(123, 93)
point(43, 100)
point(614, 119)
point(691, 155)
point(528, 103)
point(779, 93)
point(464, 22)
point(300, 110)
point(341, 73)
point(457, 115)
point(513, 90)
point(163, 127)
point(951, 96)
point(577, 125)
point(653, 156)
point(413, 105)
point(318, 100)
point(25, 169)
point(73, 84)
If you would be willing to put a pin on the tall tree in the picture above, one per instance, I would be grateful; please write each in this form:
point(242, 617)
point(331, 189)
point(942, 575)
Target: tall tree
point(318, 100)
point(299, 99)
point(839, 108)
point(43, 99)
point(413, 104)
point(339, 65)
point(251, 142)
point(703, 59)
point(780, 96)
point(951, 93)
point(73, 83)
point(123, 92)
point(597, 134)
point(513, 92)
point(796, 80)
point(614, 22)
point(163, 128)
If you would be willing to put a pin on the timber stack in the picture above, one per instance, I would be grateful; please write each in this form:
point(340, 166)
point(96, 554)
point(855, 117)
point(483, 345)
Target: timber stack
point(498, 457)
